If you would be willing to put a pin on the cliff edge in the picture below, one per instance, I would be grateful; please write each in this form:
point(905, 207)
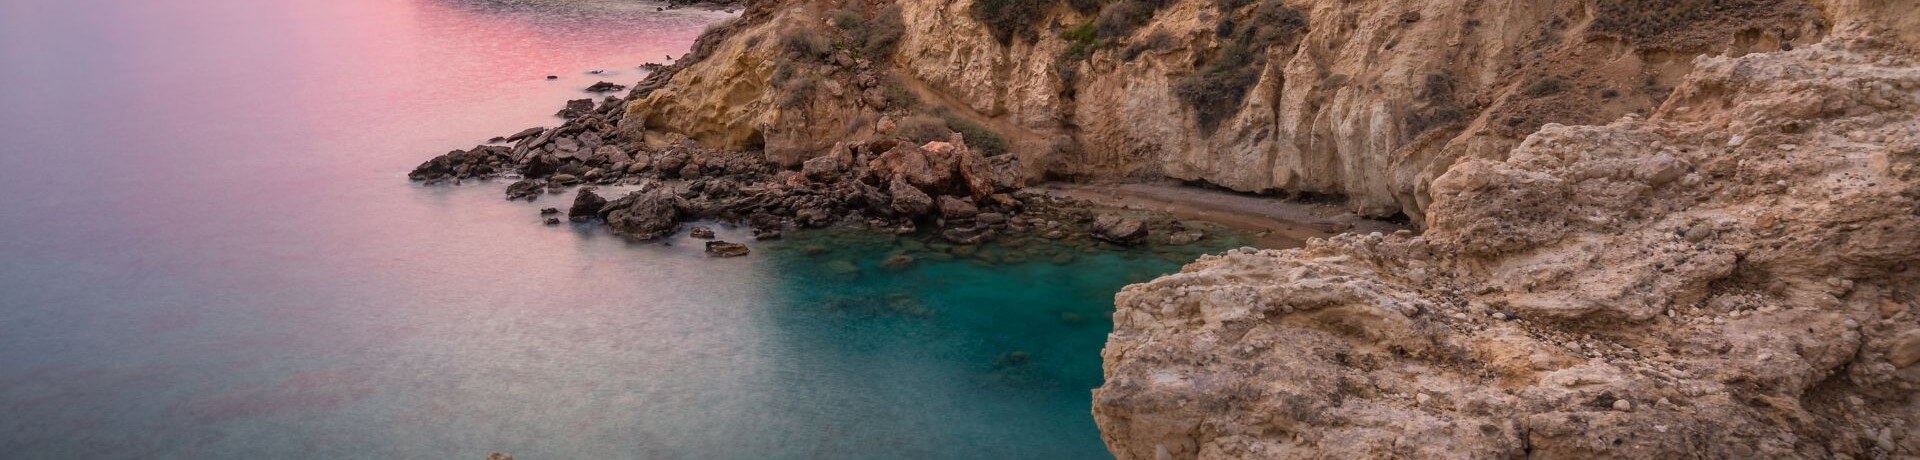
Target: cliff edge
point(1365, 100)
point(1733, 276)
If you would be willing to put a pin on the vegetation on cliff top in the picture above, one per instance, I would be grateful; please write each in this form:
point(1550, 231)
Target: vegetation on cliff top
point(1010, 19)
point(1698, 24)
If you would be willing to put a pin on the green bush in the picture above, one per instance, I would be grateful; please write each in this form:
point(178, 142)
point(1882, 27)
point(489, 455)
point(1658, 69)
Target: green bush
point(848, 20)
point(942, 124)
point(875, 37)
point(899, 97)
point(884, 32)
point(1159, 40)
point(978, 137)
point(1080, 40)
point(796, 92)
point(1218, 88)
point(803, 45)
point(1119, 19)
point(1010, 19)
point(923, 128)
point(1548, 86)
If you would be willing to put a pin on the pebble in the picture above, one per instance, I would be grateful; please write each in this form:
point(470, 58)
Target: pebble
point(1622, 405)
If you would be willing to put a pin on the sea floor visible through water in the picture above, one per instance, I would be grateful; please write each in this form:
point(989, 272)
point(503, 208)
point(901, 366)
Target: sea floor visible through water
point(991, 349)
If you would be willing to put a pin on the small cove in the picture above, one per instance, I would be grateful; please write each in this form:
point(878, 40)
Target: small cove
point(212, 252)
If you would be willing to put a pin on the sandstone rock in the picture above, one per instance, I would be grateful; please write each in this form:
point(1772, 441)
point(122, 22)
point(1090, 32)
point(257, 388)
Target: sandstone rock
point(1319, 351)
point(604, 87)
point(977, 173)
point(1906, 349)
point(914, 166)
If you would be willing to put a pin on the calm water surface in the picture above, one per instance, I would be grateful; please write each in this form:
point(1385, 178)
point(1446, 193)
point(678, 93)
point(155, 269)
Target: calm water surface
point(208, 249)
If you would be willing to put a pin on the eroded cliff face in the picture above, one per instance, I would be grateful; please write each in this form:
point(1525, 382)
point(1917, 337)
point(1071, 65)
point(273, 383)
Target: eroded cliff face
point(1733, 276)
point(1367, 100)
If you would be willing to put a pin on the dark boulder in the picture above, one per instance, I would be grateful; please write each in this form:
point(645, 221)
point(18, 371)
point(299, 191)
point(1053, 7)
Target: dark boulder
point(645, 215)
point(527, 189)
point(524, 134)
point(586, 205)
point(604, 87)
point(575, 108)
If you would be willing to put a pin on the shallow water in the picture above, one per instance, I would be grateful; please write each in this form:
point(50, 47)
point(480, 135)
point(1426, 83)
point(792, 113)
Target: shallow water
point(208, 249)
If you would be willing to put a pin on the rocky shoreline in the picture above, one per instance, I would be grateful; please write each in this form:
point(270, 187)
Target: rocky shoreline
point(888, 184)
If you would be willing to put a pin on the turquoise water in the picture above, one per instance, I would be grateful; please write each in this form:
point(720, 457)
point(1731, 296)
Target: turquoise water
point(208, 249)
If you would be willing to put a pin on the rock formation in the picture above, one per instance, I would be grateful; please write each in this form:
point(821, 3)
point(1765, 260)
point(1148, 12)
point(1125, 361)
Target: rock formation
point(1367, 100)
point(1732, 277)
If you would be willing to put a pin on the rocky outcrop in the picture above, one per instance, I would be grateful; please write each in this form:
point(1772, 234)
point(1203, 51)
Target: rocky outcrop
point(645, 214)
point(1119, 230)
point(1731, 277)
point(1367, 100)
point(725, 249)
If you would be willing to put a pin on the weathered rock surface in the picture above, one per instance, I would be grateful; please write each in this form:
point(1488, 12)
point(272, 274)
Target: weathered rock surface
point(645, 215)
point(1732, 277)
point(586, 205)
point(1119, 230)
point(1366, 100)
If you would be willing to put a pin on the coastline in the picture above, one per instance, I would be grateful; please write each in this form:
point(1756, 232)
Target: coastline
point(1275, 222)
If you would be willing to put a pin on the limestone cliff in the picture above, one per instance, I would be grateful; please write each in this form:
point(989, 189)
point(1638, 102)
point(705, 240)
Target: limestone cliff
point(1733, 276)
point(1367, 100)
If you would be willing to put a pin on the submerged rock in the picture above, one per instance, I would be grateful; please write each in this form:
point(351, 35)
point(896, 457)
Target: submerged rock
point(701, 233)
point(605, 87)
point(898, 262)
point(725, 249)
point(1185, 237)
point(1119, 230)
